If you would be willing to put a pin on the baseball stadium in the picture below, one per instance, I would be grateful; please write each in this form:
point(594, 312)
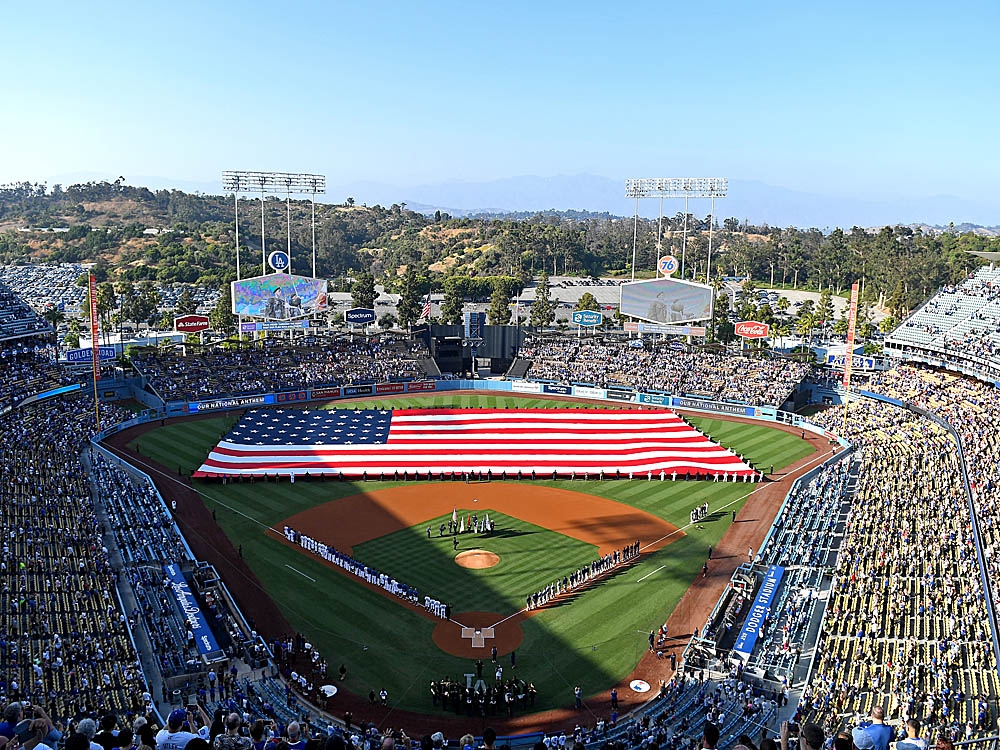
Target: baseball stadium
point(348, 535)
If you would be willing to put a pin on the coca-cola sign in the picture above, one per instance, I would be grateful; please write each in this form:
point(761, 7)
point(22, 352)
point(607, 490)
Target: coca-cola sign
point(751, 329)
point(190, 323)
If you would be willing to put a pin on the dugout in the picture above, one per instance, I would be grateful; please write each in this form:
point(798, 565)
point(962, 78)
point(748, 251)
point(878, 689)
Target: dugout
point(451, 349)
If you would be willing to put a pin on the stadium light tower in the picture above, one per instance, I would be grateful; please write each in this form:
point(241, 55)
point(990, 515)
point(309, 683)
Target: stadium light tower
point(275, 183)
point(676, 187)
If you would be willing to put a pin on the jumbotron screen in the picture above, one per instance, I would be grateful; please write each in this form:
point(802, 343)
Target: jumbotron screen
point(666, 301)
point(279, 296)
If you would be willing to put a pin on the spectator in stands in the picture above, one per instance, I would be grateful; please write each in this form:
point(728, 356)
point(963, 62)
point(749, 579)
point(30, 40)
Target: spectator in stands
point(232, 739)
point(913, 740)
point(178, 732)
point(107, 738)
point(88, 728)
point(12, 714)
point(710, 736)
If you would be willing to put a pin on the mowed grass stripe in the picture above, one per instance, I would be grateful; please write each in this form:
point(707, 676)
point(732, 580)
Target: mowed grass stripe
point(592, 641)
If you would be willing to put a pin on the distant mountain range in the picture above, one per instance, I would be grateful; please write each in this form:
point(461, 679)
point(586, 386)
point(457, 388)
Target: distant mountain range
point(751, 200)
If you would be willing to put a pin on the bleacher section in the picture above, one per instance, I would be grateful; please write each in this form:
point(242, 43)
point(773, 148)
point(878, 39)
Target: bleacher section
point(65, 641)
point(959, 327)
point(17, 320)
point(610, 363)
point(906, 626)
point(275, 365)
point(805, 541)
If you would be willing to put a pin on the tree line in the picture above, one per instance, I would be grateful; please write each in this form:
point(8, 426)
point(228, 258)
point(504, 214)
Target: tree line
point(413, 254)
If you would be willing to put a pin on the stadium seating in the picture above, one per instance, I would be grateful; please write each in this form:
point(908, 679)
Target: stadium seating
point(906, 626)
point(609, 363)
point(275, 366)
point(959, 326)
point(65, 639)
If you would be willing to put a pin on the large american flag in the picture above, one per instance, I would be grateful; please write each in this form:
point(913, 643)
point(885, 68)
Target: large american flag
point(383, 441)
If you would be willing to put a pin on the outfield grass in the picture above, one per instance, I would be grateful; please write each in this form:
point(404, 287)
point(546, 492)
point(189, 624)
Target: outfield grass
point(593, 641)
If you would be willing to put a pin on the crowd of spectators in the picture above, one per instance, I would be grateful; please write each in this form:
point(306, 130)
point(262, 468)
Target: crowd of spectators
point(147, 538)
point(609, 363)
point(805, 540)
point(906, 624)
point(971, 407)
point(63, 637)
point(16, 318)
point(275, 365)
point(27, 367)
point(961, 323)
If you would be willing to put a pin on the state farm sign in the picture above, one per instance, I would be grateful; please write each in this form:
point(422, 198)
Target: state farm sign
point(751, 329)
point(191, 323)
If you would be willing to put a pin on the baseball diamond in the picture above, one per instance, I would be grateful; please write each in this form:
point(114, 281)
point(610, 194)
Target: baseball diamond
point(582, 630)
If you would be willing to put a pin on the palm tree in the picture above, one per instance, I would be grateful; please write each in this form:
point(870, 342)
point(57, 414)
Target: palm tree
point(781, 331)
point(54, 316)
point(805, 324)
point(783, 304)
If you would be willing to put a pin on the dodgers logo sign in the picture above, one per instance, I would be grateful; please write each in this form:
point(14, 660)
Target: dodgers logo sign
point(667, 265)
point(587, 318)
point(278, 260)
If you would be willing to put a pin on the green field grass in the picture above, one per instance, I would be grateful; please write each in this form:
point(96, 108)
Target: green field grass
point(529, 555)
point(592, 641)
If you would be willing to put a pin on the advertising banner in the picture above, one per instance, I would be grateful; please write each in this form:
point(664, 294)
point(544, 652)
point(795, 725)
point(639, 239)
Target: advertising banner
point(85, 355)
point(279, 296)
point(325, 393)
point(669, 330)
point(284, 398)
point(666, 301)
point(751, 329)
point(236, 402)
point(587, 318)
point(389, 388)
point(520, 386)
point(562, 390)
point(359, 316)
point(586, 391)
point(415, 386)
point(621, 395)
point(719, 406)
point(191, 323)
point(196, 621)
point(358, 390)
point(747, 638)
point(273, 325)
point(657, 399)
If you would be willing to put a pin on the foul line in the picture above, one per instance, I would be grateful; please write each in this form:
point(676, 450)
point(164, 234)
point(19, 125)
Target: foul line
point(649, 574)
point(760, 486)
point(300, 572)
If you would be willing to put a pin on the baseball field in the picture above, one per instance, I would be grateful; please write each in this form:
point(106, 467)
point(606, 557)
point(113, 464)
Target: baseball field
point(543, 531)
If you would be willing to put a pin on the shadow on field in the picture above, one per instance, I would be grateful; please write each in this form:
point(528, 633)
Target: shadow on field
point(508, 534)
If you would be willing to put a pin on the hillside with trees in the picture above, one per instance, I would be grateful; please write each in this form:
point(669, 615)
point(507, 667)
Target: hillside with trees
point(137, 235)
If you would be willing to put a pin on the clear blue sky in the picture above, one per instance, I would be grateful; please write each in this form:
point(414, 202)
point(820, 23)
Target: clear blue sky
point(879, 98)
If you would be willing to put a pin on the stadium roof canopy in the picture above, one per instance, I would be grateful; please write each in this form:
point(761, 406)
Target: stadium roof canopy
point(992, 257)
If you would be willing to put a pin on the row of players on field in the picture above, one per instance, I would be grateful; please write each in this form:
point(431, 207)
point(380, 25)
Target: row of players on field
point(582, 576)
point(367, 573)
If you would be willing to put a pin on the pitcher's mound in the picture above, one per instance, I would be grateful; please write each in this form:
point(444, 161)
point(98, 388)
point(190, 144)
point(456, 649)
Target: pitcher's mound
point(477, 559)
